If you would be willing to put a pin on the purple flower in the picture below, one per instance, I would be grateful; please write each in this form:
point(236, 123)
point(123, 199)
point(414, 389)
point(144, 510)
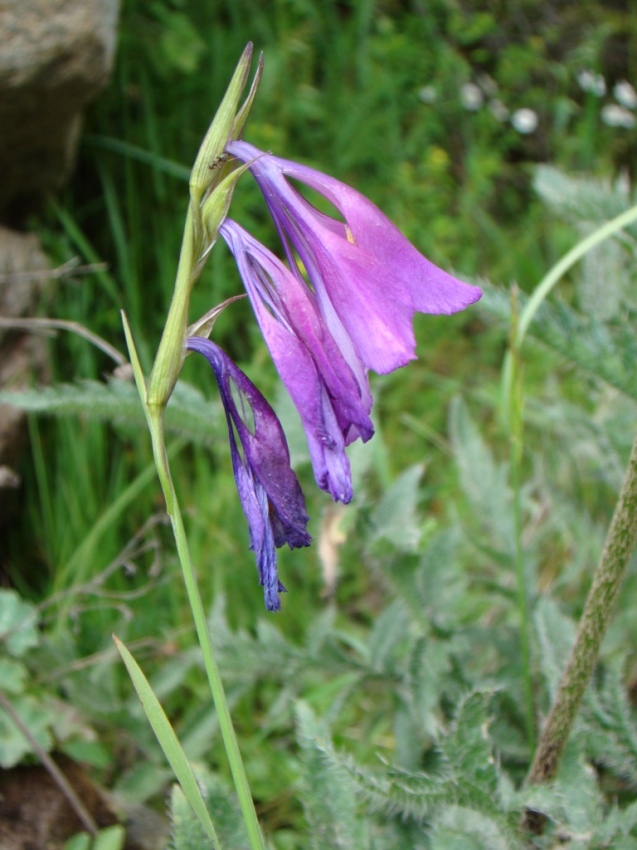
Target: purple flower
point(368, 279)
point(269, 490)
point(333, 402)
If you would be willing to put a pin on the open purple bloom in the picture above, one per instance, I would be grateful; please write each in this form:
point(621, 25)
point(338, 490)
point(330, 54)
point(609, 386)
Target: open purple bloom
point(368, 279)
point(333, 402)
point(269, 490)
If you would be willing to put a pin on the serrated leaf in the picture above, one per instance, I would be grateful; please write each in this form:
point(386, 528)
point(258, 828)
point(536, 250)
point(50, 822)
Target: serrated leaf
point(329, 798)
point(581, 199)
point(116, 401)
point(389, 632)
point(396, 517)
point(556, 635)
point(484, 481)
point(463, 828)
point(36, 718)
point(18, 623)
point(187, 832)
point(607, 351)
point(13, 676)
point(468, 748)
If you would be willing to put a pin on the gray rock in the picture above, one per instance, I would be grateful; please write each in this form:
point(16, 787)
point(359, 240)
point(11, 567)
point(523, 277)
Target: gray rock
point(55, 55)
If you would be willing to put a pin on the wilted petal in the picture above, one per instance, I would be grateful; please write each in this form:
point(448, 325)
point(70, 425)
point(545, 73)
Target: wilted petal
point(269, 490)
point(368, 278)
point(333, 402)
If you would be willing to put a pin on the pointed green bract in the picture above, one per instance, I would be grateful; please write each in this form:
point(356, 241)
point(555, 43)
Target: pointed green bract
point(168, 742)
point(220, 131)
point(207, 177)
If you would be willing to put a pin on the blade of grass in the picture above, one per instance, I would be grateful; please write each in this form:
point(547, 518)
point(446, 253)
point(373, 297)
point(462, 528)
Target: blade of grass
point(168, 741)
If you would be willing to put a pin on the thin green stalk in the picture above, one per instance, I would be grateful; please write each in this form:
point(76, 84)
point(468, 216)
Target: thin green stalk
point(600, 603)
point(559, 269)
point(512, 377)
point(515, 460)
point(214, 678)
point(154, 416)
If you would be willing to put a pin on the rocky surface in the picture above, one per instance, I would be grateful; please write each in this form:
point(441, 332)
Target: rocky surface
point(55, 55)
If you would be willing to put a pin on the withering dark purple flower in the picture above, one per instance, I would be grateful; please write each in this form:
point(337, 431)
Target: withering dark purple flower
point(368, 279)
point(333, 402)
point(269, 490)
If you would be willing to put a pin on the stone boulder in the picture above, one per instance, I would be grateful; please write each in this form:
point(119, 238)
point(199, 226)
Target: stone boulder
point(55, 55)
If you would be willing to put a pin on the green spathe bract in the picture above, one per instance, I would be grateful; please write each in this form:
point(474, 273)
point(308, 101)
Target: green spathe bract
point(197, 239)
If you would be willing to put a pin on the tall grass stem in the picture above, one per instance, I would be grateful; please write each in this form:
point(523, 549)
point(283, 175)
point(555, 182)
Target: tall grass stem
point(515, 460)
point(155, 419)
point(600, 603)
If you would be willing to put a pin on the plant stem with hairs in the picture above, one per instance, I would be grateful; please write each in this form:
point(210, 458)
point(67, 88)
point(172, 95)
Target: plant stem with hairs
point(600, 603)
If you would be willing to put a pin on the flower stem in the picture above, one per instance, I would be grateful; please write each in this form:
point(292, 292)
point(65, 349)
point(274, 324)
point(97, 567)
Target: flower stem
point(514, 378)
point(155, 421)
point(600, 603)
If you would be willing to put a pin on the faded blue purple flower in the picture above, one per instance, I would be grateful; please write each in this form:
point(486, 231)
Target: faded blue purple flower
point(368, 279)
point(269, 490)
point(332, 401)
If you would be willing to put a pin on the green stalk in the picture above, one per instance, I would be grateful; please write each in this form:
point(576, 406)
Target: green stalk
point(600, 603)
point(512, 378)
point(559, 269)
point(154, 416)
point(513, 370)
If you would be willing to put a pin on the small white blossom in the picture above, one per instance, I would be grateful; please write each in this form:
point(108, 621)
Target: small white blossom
point(614, 115)
point(525, 121)
point(428, 94)
point(471, 96)
point(498, 110)
point(591, 82)
point(625, 94)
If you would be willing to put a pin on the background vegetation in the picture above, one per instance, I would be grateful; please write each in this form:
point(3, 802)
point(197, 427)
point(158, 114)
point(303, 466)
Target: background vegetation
point(394, 672)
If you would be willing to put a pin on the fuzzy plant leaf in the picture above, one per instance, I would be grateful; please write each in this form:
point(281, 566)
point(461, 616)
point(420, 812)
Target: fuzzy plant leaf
point(609, 726)
point(606, 350)
point(18, 624)
point(396, 519)
point(463, 828)
point(187, 832)
point(555, 634)
point(387, 638)
point(329, 794)
point(581, 200)
point(483, 480)
point(466, 748)
point(36, 718)
point(189, 413)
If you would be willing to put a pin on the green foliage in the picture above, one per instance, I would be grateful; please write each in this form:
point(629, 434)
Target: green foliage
point(111, 838)
point(328, 798)
point(117, 402)
point(186, 831)
point(405, 685)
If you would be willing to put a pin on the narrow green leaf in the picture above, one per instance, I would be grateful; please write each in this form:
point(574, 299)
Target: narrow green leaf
point(110, 838)
point(168, 741)
point(81, 841)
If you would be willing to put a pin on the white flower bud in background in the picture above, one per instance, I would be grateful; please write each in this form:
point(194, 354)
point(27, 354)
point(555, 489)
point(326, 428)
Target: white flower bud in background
point(524, 120)
point(625, 94)
point(428, 94)
point(591, 82)
point(471, 96)
point(614, 115)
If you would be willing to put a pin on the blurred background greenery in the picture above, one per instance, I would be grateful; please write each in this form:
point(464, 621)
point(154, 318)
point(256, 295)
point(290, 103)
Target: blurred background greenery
point(440, 111)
